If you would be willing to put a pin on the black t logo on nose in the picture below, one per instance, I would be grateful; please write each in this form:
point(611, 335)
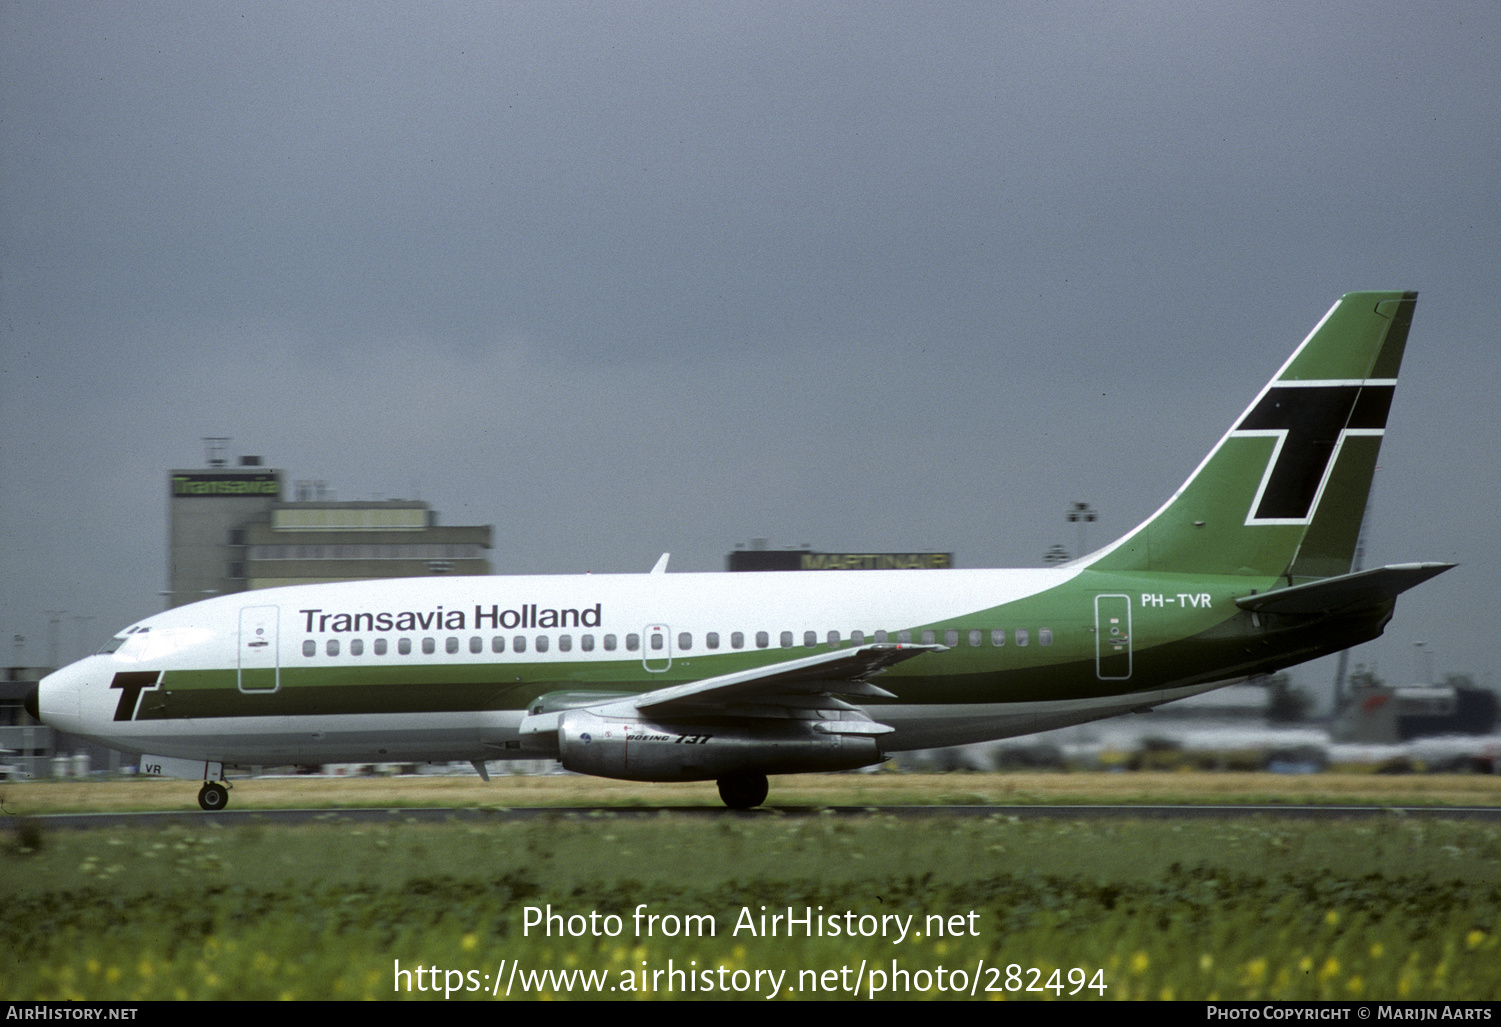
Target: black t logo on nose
point(130, 685)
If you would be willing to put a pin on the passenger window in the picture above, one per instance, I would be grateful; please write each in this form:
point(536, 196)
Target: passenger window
point(451, 646)
point(904, 637)
point(310, 648)
point(833, 640)
point(656, 640)
point(857, 638)
point(1021, 636)
point(586, 643)
point(1044, 636)
point(786, 640)
point(737, 640)
point(404, 646)
point(518, 644)
point(429, 646)
point(565, 643)
point(711, 640)
point(632, 642)
point(498, 644)
point(762, 640)
point(380, 647)
point(951, 638)
point(541, 643)
point(332, 648)
point(997, 637)
point(810, 639)
point(881, 637)
point(356, 647)
point(609, 643)
point(975, 638)
point(685, 640)
point(927, 638)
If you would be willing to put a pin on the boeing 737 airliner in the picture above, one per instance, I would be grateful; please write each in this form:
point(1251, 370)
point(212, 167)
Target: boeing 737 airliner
point(732, 677)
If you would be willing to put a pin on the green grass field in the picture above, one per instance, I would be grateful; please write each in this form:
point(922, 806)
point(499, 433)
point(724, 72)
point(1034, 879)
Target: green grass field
point(1395, 908)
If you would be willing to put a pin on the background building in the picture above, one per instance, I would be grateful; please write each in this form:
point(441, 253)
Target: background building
point(760, 558)
point(26, 744)
point(208, 511)
point(231, 529)
point(302, 543)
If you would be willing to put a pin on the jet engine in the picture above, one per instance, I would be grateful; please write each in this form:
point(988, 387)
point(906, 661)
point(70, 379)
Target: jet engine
point(688, 749)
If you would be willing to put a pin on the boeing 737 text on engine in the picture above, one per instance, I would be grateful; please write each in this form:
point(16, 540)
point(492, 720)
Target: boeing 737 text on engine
point(733, 677)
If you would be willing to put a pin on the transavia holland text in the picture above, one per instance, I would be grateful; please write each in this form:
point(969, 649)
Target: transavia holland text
point(527, 615)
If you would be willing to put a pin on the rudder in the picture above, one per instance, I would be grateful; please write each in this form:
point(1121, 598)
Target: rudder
point(1283, 493)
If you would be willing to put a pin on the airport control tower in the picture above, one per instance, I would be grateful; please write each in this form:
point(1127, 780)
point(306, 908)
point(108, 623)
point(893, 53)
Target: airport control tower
point(232, 529)
point(207, 511)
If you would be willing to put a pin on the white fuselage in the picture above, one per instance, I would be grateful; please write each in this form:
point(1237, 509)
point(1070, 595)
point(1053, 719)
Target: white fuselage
point(525, 634)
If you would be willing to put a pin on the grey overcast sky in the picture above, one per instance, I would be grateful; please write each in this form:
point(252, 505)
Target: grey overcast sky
point(621, 278)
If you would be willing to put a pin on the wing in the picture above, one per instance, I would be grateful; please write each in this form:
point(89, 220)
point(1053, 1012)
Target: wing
point(838, 672)
point(807, 688)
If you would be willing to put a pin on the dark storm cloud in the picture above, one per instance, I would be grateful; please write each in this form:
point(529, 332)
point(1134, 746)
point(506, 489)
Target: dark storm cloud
point(621, 278)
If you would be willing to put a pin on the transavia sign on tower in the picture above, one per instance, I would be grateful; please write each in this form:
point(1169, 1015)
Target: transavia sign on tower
point(264, 483)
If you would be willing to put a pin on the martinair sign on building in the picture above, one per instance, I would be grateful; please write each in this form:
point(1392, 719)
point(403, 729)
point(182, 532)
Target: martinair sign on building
point(261, 483)
point(807, 560)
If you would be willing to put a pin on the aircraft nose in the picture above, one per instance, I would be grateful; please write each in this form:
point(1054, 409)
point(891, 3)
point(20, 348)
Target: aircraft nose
point(58, 696)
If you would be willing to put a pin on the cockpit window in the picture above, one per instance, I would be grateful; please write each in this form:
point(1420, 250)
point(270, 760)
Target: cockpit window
point(115, 643)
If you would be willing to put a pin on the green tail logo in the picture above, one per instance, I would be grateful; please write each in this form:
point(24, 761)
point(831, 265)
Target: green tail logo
point(1284, 492)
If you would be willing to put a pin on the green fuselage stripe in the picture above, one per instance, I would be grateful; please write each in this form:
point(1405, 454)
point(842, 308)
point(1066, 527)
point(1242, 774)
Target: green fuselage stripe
point(1172, 644)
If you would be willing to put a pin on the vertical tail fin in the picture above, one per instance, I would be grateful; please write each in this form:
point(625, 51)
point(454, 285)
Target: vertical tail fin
point(1284, 492)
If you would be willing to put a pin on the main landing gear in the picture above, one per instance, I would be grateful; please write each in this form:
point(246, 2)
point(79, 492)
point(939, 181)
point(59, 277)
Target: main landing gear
point(213, 796)
point(743, 789)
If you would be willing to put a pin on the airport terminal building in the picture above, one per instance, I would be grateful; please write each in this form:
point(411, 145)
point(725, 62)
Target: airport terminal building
point(234, 530)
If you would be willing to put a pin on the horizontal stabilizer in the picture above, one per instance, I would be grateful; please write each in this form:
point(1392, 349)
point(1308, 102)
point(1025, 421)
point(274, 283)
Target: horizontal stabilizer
point(1346, 592)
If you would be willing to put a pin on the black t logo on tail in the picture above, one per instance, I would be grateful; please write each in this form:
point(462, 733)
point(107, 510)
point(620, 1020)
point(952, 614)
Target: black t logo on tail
point(1312, 420)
